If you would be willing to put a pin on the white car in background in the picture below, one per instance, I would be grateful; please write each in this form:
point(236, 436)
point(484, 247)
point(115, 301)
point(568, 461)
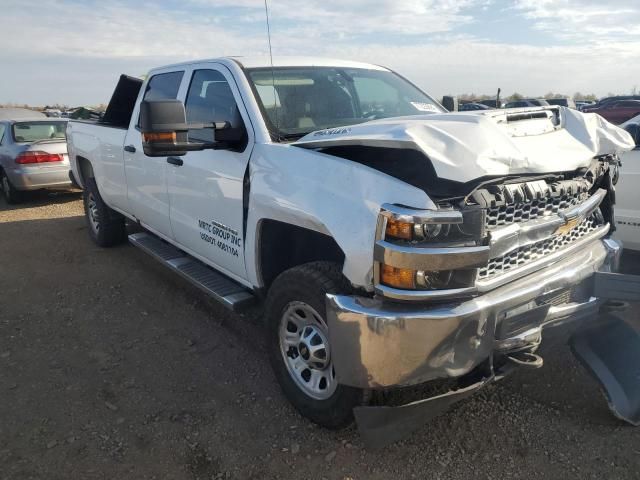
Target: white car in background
point(628, 191)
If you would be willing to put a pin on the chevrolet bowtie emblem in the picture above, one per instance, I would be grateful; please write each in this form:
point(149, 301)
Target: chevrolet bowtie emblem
point(569, 224)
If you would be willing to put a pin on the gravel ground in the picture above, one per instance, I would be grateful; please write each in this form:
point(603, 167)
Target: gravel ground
point(112, 367)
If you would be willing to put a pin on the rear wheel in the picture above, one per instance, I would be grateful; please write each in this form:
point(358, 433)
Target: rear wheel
point(11, 194)
point(106, 226)
point(299, 346)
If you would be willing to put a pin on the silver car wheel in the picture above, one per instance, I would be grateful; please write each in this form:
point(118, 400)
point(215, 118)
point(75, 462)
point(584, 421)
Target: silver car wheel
point(93, 214)
point(304, 344)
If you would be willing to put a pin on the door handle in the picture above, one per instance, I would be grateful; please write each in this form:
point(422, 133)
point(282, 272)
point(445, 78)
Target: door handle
point(178, 162)
point(130, 149)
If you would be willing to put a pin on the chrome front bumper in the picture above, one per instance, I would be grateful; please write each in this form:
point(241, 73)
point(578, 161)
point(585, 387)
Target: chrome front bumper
point(379, 344)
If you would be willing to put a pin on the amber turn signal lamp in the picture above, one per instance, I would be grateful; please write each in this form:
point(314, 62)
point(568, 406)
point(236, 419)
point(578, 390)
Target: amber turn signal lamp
point(164, 137)
point(398, 277)
point(397, 229)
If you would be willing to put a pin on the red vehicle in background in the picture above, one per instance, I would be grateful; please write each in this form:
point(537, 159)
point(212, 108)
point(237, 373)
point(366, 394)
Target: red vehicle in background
point(616, 111)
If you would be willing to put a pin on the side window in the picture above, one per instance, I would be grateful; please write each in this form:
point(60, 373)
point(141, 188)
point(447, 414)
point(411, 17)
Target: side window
point(210, 100)
point(163, 86)
point(3, 128)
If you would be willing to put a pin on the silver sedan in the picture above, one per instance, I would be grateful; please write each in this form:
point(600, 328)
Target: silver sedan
point(33, 155)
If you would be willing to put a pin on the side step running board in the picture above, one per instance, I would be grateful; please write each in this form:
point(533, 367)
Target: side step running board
point(231, 294)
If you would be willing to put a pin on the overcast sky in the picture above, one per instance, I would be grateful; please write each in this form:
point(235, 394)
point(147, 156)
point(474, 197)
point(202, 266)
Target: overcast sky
point(72, 51)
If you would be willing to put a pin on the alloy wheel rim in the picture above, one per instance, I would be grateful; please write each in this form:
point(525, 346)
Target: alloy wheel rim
point(304, 344)
point(94, 217)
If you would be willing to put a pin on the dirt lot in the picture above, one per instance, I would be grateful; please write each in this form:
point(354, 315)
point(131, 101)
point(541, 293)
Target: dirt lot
point(113, 368)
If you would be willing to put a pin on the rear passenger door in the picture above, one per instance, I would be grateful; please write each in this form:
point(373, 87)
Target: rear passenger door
point(147, 176)
point(206, 191)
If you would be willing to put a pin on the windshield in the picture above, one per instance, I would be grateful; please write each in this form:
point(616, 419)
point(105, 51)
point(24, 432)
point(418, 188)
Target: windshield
point(299, 100)
point(26, 132)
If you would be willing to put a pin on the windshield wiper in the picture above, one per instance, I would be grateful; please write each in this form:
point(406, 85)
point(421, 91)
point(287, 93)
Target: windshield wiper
point(281, 137)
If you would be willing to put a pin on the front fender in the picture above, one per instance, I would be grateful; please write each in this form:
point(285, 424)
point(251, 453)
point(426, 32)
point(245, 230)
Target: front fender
point(327, 194)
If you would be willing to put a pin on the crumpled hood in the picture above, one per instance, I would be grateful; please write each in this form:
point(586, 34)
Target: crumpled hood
point(465, 146)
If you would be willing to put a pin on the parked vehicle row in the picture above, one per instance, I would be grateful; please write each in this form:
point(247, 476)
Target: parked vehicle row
point(389, 248)
point(525, 102)
point(615, 111)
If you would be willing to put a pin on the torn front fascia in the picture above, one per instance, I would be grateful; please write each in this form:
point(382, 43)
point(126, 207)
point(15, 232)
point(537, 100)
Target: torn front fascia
point(604, 174)
point(610, 351)
point(385, 421)
point(388, 421)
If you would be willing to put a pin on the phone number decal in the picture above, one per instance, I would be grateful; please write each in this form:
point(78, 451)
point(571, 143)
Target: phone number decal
point(224, 238)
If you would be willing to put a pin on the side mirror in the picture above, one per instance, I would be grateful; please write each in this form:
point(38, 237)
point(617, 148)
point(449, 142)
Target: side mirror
point(165, 131)
point(164, 128)
point(634, 130)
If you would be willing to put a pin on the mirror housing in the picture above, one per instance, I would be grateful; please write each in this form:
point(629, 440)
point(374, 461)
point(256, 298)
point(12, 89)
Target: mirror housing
point(634, 130)
point(164, 128)
point(165, 131)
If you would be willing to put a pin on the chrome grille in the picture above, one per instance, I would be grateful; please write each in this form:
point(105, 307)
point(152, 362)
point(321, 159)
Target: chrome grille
point(523, 255)
point(521, 212)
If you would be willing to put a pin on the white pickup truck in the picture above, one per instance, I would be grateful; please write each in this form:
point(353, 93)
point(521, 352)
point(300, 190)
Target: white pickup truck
point(393, 243)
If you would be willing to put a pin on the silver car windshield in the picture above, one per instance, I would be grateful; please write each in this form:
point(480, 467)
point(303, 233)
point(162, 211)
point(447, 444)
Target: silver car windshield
point(28, 132)
point(296, 101)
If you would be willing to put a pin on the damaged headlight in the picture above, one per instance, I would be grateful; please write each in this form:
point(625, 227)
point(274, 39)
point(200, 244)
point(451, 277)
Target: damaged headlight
point(434, 226)
point(428, 250)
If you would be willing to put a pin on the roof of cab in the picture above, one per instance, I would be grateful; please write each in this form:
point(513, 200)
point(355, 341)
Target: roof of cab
point(265, 62)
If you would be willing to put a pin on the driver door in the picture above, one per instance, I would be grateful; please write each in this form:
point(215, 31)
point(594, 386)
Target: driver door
point(206, 189)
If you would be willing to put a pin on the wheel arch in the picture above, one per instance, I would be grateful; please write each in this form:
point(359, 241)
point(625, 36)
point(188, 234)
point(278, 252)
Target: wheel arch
point(282, 246)
point(85, 169)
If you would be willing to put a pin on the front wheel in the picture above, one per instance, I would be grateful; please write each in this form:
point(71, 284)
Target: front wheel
point(299, 347)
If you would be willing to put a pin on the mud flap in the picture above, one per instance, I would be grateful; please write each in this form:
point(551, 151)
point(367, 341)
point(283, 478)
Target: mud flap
point(382, 425)
point(611, 352)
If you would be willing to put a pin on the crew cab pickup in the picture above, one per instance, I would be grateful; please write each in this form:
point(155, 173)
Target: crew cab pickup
point(392, 243)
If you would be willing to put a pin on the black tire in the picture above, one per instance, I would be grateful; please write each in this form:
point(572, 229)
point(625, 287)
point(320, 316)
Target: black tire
point(10, 193)
point(308, 283)
point(106, 226)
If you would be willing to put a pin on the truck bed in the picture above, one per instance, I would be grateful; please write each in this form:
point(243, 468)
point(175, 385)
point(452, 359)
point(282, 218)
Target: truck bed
point(99, 139)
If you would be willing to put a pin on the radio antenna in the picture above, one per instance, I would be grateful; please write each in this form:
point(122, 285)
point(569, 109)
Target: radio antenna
point(273, 75)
